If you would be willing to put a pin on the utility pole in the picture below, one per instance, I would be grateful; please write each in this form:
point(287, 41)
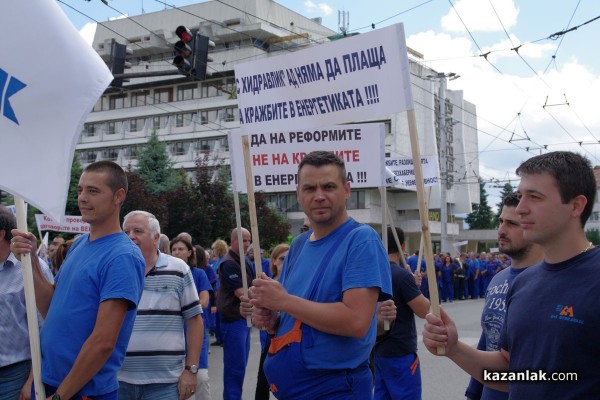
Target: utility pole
point(442, 123)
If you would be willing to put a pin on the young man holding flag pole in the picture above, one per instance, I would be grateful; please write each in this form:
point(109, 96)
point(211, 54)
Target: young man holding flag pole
point(45, 99)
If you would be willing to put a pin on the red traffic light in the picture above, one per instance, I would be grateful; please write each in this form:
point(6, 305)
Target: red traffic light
point(184, 34)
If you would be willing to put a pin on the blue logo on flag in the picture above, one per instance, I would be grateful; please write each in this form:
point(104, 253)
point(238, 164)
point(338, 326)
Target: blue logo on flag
point(8, 88)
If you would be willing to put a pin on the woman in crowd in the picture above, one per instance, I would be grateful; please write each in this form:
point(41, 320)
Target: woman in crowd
point(183, 249)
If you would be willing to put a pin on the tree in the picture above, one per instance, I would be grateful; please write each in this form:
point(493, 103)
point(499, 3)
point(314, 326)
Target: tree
point(273, 228)
point(506, 190)
point(72, 207)
point(593, 235)
point(482, 215)
point(155, 167)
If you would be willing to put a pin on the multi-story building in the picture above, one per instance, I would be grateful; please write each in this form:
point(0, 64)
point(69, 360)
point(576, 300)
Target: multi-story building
point(193, 117)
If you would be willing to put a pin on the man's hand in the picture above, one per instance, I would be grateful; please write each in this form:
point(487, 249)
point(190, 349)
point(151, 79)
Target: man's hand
point(245, 307)
point(26, 389)
point(386, 311)
point(418, 278)
point(267, 293)
point(22, 243)
point(440, 332)
point(186, 385)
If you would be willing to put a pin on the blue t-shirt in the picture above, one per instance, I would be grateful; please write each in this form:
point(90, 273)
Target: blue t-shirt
point(202, 283)
point(110, 267)
point(412, 262)
point(359, 261)
point(492, 321)
point(552, 324)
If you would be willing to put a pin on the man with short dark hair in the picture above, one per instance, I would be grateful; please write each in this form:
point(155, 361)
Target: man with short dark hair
point(524, 254)
point(552, 318)
point(15, 354)
point(322, 312)
point(89, 311)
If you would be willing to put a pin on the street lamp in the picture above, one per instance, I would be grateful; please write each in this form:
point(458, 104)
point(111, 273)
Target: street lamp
point(442, 123)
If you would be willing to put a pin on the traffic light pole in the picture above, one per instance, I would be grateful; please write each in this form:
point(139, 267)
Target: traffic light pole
point(146, 74)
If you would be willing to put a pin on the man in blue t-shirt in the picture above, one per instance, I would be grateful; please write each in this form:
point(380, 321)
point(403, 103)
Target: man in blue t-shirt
point(322, 312)
point(549, 341)
point(101, 279)
point(524, 254)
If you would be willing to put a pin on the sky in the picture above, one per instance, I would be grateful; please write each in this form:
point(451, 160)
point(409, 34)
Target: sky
point(535, 89)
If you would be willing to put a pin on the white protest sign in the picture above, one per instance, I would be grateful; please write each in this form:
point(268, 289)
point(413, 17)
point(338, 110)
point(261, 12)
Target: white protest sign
point(401, 172)
point(275, 156)
point(350, 79)
point(70, 224)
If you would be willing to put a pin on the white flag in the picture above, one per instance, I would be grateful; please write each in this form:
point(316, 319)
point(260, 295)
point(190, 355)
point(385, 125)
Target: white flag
point(50, 79)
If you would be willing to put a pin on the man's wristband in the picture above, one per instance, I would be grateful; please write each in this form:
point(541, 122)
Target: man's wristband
point(56, 396)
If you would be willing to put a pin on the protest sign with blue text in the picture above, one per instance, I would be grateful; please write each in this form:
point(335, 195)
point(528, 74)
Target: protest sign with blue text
point(350, 79)
point(401, 172)
point(50, 79)
point(275, 156)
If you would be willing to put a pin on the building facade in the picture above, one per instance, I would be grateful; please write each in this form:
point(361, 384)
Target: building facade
point(193, 117)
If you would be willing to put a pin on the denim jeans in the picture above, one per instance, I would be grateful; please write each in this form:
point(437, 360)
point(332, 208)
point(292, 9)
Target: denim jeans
point(236, 350)
point(12, 379)
point(152, 391)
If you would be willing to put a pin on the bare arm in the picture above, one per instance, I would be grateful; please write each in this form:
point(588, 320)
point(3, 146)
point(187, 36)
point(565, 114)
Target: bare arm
point(204, 298)
point(195, 335)
point(350, 317)
point(97, 348)
point(419, 305)
point(442, 332)
point(25, 242)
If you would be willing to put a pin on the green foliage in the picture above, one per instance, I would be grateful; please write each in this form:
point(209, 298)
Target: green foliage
point(593, 235)
point(273, 227)
point(482, 215)
point(72, 207)
point(506, 190)
point(155, 167)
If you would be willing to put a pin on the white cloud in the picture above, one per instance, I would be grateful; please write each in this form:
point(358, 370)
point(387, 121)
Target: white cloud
point(478, 15)
point(322, 8)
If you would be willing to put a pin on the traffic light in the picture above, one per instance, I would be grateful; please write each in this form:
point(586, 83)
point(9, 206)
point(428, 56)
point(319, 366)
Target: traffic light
point(192, 53)
point(201, 57)
point(183, 48)
point(118, 62)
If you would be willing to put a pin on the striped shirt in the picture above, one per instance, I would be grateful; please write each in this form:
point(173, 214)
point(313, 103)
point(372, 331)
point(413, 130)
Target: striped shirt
point(156, 350)
point(14, 345)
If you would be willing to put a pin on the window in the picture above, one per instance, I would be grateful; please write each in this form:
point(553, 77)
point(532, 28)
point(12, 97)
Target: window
point(179, 148)
point(186, 92)
point(183, 119)
point(283, 202)
point(110, 154)
point(92, 129)
point(117, 101)
point(356, 200)
point(136, 125)
point(89, 156)
point(228, 114)
point(160, 122)
point(209, 89)
point(110, 128)
point(139, 98)
point(163, 95)
point(203, 117)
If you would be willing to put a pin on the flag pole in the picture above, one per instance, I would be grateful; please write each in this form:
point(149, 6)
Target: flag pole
point(423, 214)
point(32, 320)
point(238, 222)
point(252, 208)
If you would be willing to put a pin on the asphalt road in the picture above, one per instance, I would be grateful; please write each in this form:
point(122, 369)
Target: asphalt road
point(442, 380)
